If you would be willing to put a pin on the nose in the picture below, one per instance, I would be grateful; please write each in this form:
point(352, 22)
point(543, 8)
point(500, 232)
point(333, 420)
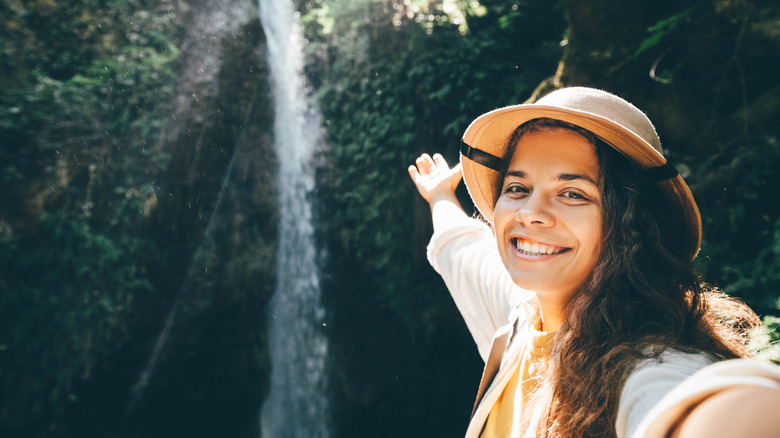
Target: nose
point(535, 211)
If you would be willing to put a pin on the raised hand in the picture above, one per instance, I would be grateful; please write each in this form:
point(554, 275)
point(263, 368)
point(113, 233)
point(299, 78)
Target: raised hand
point(434, 178)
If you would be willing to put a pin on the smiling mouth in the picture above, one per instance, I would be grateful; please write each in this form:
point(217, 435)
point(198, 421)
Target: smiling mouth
point(537, 249)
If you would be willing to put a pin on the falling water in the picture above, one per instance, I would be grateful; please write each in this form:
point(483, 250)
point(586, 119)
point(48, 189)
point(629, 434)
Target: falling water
point(296, 405)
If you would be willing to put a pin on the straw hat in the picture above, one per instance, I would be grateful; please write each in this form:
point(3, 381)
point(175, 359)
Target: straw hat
point(614, 120)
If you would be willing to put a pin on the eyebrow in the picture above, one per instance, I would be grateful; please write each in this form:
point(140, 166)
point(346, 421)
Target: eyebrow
point(559, 177)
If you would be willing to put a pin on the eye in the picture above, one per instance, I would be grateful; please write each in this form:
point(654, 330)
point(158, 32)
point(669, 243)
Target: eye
point(515, 189)
point(575, 196)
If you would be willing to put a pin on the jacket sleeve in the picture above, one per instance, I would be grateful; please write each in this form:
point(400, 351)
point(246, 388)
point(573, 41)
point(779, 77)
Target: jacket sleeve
point(466, 257)
point(650, 382)
point(676, 396)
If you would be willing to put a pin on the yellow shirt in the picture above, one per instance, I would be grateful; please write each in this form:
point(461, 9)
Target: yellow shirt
point(511, 416)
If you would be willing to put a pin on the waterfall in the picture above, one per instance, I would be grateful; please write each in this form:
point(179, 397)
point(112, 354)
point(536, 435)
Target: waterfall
point(296, 405)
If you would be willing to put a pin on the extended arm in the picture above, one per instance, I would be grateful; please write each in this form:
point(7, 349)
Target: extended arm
point(749, 411)
point(730, 398)
point(463, 251)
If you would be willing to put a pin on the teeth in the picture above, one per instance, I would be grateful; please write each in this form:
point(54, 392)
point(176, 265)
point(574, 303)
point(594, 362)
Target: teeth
point(534, 248)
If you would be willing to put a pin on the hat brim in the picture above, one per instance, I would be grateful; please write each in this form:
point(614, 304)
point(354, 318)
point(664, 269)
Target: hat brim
point(492, 131)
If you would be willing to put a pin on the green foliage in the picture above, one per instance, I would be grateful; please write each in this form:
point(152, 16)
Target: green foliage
point(78, 160)
point(108, 113)
point(741, 247)
point(67, 293)
point(660, 32)
point(663, 28)
point(766, 341)
point(394, 92)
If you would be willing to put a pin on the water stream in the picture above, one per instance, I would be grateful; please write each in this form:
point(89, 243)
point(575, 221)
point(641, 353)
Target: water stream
point(297, 404)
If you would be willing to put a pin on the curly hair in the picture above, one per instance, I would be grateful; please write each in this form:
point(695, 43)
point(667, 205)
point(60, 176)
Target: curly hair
point(641, 299)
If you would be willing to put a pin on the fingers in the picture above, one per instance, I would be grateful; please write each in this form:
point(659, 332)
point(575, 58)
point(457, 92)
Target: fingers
point(433, 177)
point(425, 164)
point(421, 167)
point(413, 173)
point(433, 167)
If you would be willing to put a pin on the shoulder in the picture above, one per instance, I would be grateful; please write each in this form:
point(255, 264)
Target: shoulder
point(664, 372)
point(677, 382)
point(747, 406)
point(651, 380)
point(671, 363)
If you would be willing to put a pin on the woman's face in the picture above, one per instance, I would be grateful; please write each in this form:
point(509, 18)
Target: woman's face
point(548, 216)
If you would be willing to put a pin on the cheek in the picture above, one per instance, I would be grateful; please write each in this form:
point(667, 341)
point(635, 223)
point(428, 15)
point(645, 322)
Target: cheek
point(502, 212)
point(502, 216)
point(592, 235)
point(585, 225)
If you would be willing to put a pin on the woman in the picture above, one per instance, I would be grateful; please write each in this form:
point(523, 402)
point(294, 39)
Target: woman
point(580, 296)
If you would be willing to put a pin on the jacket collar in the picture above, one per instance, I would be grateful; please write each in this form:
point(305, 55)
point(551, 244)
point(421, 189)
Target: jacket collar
point(502, 361)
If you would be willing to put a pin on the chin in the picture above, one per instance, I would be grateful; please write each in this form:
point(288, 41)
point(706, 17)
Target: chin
point(531, 286)
point(545, 289)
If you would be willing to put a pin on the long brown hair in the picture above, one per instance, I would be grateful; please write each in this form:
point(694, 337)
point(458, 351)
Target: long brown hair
point(641, 299)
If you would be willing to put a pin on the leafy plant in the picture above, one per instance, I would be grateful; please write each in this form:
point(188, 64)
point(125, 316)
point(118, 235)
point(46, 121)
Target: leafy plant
point(660, 30)
point(68, 292)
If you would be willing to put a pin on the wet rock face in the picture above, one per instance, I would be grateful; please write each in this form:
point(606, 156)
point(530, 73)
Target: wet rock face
point(208, 27)
point(219, 211)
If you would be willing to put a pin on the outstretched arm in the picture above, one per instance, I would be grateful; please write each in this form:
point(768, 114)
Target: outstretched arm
point(463, 252)
point(436, 181)
point(749, 411)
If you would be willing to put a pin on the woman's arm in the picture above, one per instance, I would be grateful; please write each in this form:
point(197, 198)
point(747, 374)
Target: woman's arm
point(743, 411)
point(730, 398)
point(463, 251)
